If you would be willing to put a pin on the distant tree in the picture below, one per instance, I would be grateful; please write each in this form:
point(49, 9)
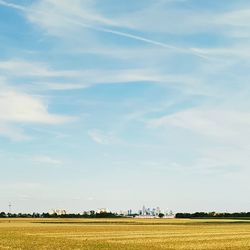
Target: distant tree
point(161, 215)
point(3, 215)
point(92, 212)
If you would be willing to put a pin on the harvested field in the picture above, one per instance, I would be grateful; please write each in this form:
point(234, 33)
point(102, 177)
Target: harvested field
point(129, 234)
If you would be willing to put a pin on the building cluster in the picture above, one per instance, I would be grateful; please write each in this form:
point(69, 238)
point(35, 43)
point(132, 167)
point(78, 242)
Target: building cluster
point(149, 211)
point(146, 212)
point(142, 213)
point(125, 212)
point(57, 212)
point(102, 210)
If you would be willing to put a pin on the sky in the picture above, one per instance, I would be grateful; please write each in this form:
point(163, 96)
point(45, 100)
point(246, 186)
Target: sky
point(120, 104)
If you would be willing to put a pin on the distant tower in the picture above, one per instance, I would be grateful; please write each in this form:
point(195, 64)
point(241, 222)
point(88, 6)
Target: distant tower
point(10, 208)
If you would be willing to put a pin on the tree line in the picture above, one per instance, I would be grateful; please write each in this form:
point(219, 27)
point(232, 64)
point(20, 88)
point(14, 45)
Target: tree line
point(92, 214)
point(212, 215)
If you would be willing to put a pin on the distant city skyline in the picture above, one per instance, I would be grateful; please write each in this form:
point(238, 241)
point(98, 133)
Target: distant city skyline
point(107, 103)
point(143, 212)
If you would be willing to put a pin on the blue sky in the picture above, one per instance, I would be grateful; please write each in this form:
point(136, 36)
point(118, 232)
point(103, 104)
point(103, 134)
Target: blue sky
point(107, 103)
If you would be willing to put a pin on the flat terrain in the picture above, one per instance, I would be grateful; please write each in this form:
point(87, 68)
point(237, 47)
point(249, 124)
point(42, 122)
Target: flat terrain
point(129, 234)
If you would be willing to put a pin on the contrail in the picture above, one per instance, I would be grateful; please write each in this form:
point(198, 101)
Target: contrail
point(11, 5)
point(143, 39)
point(115, 32)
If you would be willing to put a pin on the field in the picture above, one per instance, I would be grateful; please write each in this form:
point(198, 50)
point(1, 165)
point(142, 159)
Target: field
point(127, 234)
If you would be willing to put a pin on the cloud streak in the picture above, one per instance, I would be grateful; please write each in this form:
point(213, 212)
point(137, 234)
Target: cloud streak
point(11, 5)
point(110, 31)
point(46, 160)
point(101, 138)
point(217, 123)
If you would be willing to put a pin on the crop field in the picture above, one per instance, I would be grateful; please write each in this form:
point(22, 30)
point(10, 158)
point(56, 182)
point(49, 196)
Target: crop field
point(127, 234)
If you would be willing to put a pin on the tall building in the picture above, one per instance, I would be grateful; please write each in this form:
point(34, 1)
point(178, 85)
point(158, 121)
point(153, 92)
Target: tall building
point(158, 211)
point(103, 210)
point(57, 212)
point(130, 212)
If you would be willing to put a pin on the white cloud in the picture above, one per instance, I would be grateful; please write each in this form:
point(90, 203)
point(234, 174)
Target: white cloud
point(211, 122)
point(224, 160)
point(11, 5)
point(47, 160)
point(100, 137)
point(35, 76)
point(12, 132)
point(80, 78)
point(65, 17)
point(160, 17)
point(223, 136)
point(227, 54)
point(238, 18)
point(26, 68)
point(17, 107)
point(53, 14)
point(58, 86)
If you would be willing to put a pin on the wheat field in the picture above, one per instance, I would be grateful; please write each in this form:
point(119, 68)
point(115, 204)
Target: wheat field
point(127, 234)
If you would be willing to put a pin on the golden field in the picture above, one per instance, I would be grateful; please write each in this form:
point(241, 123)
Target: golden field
point(127, 234)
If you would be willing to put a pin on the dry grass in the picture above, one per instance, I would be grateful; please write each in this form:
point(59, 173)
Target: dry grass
point(129, 234)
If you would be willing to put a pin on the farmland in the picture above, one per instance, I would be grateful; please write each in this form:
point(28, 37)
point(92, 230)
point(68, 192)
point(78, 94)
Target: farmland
point(127, 234)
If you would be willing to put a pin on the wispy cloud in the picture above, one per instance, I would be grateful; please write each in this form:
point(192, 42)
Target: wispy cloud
point(21, 186)
point(223, 136)
point(41, 14)
point(145, 40)
point(11, 5)
point(46, 160)
point(36, 76)
point(100, 137)
point(11, 132)
point(213, 122)
point(26, 68)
